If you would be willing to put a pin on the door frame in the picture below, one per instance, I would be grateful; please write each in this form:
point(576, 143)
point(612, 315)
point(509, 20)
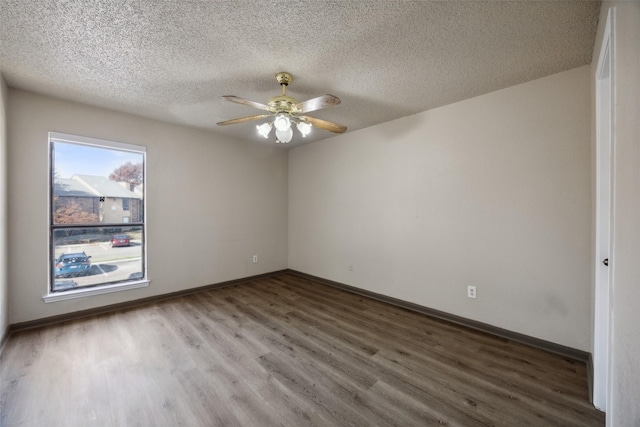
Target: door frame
point(603, 313)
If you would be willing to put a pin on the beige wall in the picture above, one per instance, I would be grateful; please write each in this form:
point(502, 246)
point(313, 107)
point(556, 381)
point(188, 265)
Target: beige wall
point(212, 202)
point(4, 227)
point(625, 257)
point(494, 192)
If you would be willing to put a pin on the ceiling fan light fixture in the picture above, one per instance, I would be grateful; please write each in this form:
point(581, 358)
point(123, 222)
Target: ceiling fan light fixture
point(284, 136)
point(282, 122)
point(264, 129)
point(283, 111)
point(304, 128)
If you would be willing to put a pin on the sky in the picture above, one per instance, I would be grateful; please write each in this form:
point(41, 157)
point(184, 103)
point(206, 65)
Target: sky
point(72, 159)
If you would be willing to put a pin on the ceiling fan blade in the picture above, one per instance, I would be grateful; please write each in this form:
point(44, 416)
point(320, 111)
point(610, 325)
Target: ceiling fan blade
point(243, 119)
point(323, 124)
point(314, 104)
point(243, 101)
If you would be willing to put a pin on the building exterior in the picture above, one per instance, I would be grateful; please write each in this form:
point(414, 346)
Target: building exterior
point(113, 202)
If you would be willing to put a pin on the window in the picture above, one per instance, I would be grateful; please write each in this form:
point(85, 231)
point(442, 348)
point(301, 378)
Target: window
point(95, 246)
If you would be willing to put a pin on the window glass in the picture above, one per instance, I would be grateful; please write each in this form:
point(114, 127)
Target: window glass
point(97, 212)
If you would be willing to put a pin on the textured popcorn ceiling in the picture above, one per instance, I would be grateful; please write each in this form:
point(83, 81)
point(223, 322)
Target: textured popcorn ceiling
point(172, 60)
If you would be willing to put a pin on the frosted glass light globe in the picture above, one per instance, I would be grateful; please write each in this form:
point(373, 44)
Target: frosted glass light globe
point(284, 135)
point(264, 129)
point(282, 122)
point(304, 128)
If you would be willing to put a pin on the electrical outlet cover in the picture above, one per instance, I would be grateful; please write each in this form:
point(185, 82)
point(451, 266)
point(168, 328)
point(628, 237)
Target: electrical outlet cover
point(471, 291)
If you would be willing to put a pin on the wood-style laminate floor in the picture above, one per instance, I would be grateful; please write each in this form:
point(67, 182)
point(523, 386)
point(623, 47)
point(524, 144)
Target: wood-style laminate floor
point(282, 351)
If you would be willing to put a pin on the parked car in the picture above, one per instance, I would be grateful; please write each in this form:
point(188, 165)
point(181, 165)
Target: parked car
point(69, 265)
point(120, 240)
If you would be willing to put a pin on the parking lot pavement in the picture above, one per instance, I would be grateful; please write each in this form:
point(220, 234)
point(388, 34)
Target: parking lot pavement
point(103, 252)
point(105, 272)
point(107, 264)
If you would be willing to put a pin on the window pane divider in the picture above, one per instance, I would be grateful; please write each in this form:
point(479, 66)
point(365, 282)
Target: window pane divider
point(100, 225)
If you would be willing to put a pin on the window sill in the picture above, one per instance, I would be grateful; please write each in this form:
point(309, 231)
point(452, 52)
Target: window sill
point(81, 293)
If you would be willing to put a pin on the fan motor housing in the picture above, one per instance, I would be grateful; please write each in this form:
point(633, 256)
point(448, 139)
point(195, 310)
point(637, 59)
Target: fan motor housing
point(283, 104)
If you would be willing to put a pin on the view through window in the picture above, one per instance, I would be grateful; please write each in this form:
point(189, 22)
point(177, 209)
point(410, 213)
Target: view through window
point(97, 213)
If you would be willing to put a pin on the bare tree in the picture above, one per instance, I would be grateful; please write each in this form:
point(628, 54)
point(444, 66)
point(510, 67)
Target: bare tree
point(129, 172)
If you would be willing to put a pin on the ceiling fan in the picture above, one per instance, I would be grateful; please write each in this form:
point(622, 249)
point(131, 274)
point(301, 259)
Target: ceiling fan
point(287, 111)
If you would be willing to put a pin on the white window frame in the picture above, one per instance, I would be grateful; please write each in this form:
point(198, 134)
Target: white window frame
point(108, 287)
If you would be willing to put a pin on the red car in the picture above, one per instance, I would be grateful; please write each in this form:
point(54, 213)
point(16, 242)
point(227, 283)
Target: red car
point(120, 240)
